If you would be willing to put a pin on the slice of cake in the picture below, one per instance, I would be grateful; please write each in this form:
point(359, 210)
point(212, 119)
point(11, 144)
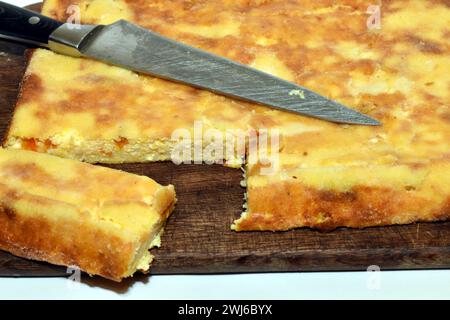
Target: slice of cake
point(70, 213)
point(335, 195)
point(394, 70)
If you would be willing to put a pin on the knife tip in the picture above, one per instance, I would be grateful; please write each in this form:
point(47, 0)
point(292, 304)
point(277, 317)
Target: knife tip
point(357, 118)
point(368, 121)
point(339, 113)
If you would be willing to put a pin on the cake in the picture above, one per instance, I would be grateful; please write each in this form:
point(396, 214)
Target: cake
point(69, 213)
point(328, 175)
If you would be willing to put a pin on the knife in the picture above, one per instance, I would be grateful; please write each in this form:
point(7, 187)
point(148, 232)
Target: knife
point(130, 46)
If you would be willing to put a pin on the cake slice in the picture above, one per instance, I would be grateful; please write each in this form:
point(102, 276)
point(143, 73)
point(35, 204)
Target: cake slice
point(356, 196)
point(65, 212)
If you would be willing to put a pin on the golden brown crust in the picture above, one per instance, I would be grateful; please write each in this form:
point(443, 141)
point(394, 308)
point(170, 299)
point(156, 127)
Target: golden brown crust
point(96, 252)
point(288, 205)
point(331, 196)
point(35, 238)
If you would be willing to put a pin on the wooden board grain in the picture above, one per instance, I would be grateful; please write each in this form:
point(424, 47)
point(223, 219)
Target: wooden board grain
point(198, 237)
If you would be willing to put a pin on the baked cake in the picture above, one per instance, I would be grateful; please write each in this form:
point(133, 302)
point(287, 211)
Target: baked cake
point(329, 175)
point(69, 213)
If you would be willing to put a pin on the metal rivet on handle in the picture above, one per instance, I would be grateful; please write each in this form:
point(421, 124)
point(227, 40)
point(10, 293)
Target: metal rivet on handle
point(34, 20)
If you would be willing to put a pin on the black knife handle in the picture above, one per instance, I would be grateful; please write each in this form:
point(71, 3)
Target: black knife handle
point(24, 25)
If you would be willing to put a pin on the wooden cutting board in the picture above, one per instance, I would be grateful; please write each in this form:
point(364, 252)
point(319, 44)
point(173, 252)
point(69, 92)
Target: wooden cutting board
point(198, 237)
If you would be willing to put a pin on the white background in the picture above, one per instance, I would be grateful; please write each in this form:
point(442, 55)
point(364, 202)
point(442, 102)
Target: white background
point(343, 285)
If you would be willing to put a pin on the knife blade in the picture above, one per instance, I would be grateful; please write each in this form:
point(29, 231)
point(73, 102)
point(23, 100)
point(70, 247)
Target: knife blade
point(130, 46)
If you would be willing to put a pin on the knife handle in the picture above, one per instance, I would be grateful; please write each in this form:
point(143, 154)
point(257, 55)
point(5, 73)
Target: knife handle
point(25, 26)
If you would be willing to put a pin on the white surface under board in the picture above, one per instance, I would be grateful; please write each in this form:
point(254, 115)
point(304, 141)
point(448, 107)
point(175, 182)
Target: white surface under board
point(342, 285)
